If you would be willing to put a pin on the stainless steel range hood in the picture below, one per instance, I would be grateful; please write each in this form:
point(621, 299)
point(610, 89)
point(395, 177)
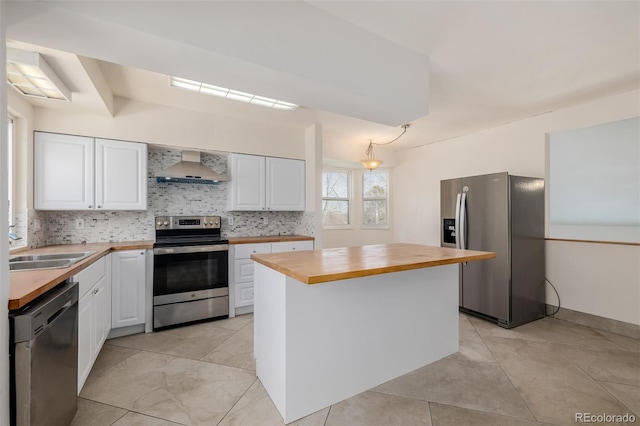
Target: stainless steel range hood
point(190, 170)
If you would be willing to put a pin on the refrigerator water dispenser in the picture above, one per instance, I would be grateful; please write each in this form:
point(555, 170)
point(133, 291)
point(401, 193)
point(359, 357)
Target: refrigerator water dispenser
point(449, 231)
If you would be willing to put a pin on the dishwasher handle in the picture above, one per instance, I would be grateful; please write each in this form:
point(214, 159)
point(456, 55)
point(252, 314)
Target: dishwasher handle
point(33, 319)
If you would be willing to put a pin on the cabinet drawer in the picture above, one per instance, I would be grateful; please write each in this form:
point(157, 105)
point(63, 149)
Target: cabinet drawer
point(243, 270)
point(244, 294)
point(89, 276)
point(244, 251)
point(291, 246)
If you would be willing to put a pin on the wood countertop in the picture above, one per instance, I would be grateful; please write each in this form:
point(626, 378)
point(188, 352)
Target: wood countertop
point(319, 266)
point(25, 286)
point(268, 239)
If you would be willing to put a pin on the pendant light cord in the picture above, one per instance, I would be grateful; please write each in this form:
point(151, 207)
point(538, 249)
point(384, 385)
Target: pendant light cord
point(404, 130)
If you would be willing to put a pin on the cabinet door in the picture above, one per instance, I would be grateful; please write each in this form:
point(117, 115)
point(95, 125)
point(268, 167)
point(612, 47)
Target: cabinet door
point(128, 288)
point(244, 294)
point(121, 175)
point(246, 186)
point(63, 172)
point(285, 180)
point(102, 300)
point(291, 246)
point(85, 337)
point(243, 270)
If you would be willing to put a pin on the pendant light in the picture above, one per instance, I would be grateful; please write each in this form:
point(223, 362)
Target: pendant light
point(370, 162)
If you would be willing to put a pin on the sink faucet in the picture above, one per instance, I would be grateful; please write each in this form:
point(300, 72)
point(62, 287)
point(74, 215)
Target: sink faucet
point(13, 236)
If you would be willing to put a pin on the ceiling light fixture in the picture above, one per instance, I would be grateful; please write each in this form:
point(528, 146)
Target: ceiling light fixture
point(370, 162)
point(223, 92)
point(32, 76)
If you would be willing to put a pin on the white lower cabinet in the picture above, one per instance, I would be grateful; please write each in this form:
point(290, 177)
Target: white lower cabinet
point(241, 267)
point(242, 270)
point(129, 279)
point(94, 314)
point(291, 246)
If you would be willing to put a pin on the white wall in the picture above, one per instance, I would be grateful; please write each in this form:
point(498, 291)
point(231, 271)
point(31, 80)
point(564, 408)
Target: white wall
point(518, 148)
point(162, 125)
point(601, 279)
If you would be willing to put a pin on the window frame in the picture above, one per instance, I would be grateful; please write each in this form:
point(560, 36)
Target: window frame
point(11, 169)
point(349, 198)
point(385, 199)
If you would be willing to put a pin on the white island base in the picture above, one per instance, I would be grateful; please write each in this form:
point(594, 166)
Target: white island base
point(316, 345)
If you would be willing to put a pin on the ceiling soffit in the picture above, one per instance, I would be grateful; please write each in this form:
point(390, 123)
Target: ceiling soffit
point(285, 50)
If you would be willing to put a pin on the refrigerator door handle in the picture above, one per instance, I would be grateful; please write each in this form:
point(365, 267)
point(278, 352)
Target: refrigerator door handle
point(457, 224)
point(463, 220)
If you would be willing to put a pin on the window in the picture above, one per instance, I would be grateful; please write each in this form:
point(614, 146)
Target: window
point(375, 194)
point(336, 198)
point(10, 168)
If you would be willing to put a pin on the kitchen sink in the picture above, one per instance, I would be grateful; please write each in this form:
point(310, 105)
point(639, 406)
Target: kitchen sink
point(46, 261)
point(52, 256)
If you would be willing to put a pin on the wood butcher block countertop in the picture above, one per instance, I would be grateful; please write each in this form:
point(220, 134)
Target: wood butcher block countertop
point(319, 266)
point(25, 286)
point(268, 239)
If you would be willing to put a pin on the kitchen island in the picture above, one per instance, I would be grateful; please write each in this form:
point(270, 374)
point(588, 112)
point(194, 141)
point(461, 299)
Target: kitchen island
point(332, 323)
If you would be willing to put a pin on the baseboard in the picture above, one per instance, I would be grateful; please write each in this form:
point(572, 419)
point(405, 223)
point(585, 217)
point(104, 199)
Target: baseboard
point(244, 310)
point(597, 322)
point(125, 331)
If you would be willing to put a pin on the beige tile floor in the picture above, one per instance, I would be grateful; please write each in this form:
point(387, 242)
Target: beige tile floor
point(540, 373)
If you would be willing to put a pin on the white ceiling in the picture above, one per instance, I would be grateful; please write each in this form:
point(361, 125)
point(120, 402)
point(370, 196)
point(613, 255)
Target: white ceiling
point(358, 68)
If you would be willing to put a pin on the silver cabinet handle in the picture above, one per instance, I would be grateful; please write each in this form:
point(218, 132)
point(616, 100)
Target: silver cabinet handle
point(90, 206)
point(99, 207)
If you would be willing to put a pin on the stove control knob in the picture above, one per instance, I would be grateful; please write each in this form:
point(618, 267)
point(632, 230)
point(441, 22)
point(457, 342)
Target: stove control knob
point(206, 223)
point(166, 223)
point(158, 223)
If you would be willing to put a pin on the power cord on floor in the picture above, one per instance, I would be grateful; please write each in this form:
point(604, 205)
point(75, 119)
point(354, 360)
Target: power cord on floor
point(557, 295)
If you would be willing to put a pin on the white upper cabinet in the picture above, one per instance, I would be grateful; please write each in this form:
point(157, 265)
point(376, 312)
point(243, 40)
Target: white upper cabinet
point(265, 183)
point(121, 175)
point(83, 173)
point(285, 186)
point(64, 172)
point(246, 187)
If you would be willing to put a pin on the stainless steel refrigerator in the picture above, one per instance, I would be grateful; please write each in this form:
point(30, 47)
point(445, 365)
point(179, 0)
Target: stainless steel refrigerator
point(503, 214)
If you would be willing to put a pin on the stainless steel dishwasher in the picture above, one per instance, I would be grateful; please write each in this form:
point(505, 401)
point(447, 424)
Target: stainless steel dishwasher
point(44, 359)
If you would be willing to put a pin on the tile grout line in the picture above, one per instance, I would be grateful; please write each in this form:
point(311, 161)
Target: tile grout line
point(593, 379)
point(236, 403)
point(506, 416)
point(326, 419)
point(503, 371)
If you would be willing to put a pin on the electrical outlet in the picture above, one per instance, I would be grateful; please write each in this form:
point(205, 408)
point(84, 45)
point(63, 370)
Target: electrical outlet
point(230, 221)
point(79, 223)
point(265, 220)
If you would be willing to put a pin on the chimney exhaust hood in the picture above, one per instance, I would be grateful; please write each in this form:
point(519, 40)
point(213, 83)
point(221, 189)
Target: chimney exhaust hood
point(190, 170)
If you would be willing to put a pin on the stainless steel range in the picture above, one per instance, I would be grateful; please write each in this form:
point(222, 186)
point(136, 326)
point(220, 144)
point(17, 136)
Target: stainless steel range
point(190, 271)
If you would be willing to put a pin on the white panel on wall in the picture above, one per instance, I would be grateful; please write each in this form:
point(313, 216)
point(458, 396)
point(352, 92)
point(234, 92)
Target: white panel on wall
point(594, 182)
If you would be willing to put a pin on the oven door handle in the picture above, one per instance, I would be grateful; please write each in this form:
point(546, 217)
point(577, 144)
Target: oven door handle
point(190, 249)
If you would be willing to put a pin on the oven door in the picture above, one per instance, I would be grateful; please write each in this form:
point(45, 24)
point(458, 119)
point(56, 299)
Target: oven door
point(190, 273)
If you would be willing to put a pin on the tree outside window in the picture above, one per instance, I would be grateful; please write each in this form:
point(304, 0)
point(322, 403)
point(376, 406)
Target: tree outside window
point(335, 198)
point(375, 194)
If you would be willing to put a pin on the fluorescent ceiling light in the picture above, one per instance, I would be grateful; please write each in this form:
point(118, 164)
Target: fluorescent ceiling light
point(30, 74)
point(236, 95)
